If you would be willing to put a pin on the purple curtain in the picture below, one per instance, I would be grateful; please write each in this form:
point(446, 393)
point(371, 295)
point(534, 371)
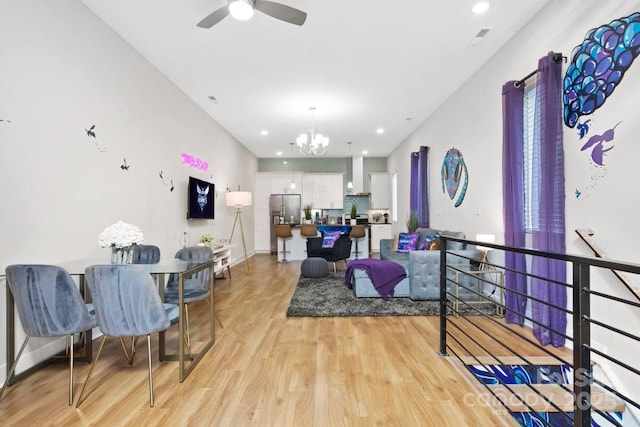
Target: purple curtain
point(513, 199)
point(419, 191)
point(549, 234)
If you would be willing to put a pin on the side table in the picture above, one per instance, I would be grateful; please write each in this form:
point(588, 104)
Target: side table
point(488, 275)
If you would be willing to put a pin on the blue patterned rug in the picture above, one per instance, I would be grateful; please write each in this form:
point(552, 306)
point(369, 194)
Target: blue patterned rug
point(329, 297)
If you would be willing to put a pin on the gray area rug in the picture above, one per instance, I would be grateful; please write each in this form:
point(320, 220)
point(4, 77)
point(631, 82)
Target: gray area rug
point(329, 297)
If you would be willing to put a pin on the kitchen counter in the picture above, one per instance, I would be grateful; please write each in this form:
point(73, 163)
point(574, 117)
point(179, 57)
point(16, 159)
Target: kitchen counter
point(297, 245)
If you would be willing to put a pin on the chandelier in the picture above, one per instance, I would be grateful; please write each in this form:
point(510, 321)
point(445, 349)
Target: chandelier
point(312, 143)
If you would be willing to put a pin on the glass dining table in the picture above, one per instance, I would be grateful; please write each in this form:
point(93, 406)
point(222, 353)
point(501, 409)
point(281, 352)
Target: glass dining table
point(187, 361)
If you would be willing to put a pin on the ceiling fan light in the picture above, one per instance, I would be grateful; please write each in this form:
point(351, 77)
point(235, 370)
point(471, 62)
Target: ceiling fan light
point(242, 10)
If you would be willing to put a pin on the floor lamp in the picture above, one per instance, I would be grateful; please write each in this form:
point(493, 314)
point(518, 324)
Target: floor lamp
point(239, 199)
point(486, 238)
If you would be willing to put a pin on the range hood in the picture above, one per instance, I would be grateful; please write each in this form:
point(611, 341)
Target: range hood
point(357, 177)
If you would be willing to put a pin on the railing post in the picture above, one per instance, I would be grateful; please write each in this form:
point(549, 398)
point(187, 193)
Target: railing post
point(581, 354)
point(443, 298)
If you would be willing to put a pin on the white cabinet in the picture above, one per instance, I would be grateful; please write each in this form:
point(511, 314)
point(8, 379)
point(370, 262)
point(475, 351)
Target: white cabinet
point(332, 191)
point(312, 190)
point(221, 259)
point(280, 183)
point(379, 186)
point(379, 231)
point(322, 191)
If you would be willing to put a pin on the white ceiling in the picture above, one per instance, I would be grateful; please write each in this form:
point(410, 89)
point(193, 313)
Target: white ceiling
point(363, 64)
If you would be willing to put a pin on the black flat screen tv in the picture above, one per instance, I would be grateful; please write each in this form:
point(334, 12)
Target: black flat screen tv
point(200, 199)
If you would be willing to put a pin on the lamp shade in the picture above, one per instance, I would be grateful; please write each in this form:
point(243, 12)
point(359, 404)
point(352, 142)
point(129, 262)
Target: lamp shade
point(488, 238)
point(239, 199)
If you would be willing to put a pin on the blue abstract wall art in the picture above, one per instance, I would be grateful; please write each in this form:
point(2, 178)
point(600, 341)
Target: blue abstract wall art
point(452, 172)
point(598, 66)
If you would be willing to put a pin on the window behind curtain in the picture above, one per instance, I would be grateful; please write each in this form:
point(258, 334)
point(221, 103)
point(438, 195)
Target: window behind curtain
point(531, 160)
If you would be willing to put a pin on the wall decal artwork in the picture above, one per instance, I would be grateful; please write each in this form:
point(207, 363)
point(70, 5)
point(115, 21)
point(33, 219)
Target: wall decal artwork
point(5, 120)
point(125, 166)
point(165, 182)
point(194, 162)
point(597, 145)
point(598, 66)
point(583, 128)
point(453, 168)
point(90, 131)
point(92, 134)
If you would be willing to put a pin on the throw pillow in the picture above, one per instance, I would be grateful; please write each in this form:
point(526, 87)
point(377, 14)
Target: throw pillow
point(427, 241)
point(329, 238)
point(434, 245)
point(408, 242)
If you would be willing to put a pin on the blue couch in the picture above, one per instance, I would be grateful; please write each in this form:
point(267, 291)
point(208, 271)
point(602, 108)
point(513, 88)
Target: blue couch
point(423, 266)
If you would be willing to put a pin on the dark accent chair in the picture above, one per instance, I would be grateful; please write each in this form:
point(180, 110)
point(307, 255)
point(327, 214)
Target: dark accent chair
point(340, 251)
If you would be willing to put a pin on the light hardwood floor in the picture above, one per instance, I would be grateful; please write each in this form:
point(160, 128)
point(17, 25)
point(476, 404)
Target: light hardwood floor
point(268, 370)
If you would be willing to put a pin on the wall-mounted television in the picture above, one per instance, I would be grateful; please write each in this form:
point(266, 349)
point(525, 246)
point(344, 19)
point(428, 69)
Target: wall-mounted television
point(200, 199)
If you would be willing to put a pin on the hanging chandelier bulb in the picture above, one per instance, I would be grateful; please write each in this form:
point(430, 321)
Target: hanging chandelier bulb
point(312, 143)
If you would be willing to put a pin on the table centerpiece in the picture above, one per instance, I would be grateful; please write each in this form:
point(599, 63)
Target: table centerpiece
point(121, 238)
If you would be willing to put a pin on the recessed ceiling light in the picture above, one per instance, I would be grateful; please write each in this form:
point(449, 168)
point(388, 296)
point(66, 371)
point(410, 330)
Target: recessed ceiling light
point(480, 7)
point(379, 131)
point(284, 162)
point(365, 152)
point(264, 132)
point(278, 153)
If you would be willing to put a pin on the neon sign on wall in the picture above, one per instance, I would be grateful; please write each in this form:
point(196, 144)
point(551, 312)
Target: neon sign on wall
point(194, 162)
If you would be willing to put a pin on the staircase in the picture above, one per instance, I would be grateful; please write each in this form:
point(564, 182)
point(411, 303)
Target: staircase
point(538, 392)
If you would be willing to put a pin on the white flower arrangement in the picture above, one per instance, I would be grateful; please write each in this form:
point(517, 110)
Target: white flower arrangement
point(120, 235)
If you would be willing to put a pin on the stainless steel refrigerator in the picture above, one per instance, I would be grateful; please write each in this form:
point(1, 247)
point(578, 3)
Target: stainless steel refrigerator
point(284, 209)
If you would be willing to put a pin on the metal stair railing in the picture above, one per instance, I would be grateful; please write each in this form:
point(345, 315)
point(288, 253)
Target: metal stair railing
point(590, 393)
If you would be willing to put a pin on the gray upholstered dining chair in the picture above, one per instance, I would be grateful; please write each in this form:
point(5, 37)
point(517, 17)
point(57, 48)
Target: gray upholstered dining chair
point(197, 287)
point(49, 305)
point(146, 254)
point(127, 304)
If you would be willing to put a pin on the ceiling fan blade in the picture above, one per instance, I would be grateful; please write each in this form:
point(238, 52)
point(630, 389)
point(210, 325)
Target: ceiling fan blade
point(282, 12)
point(214, 17)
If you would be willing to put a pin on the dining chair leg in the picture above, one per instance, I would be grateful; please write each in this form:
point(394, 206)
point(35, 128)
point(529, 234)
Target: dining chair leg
point(70, 353)
point(334, 267)
point(126, 352)
point(150, 371)
point(13, 366)
point(93, 365)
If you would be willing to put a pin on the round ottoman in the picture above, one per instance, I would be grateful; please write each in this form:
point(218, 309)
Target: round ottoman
point(314, 267)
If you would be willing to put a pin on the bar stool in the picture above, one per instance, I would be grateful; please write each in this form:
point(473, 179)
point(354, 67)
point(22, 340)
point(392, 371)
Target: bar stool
point(308, 230)
point(357, 232)
point(283, 231)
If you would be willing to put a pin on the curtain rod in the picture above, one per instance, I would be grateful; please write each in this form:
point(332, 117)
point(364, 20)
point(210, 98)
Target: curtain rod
point(556, 57)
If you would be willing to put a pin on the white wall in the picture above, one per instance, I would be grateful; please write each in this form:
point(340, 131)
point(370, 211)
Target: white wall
point(471, 121)
point(62, 70)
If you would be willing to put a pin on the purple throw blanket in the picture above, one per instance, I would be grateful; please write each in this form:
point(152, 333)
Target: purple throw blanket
point(384, 275)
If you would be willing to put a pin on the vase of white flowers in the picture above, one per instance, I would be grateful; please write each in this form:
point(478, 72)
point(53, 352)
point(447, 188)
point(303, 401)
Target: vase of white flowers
point(121, 238)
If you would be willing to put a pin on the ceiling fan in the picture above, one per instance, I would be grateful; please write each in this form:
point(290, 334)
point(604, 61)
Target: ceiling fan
point(243, 10)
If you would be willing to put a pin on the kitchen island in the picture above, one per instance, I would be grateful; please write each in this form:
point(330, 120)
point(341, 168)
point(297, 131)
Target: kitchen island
point(297, 245)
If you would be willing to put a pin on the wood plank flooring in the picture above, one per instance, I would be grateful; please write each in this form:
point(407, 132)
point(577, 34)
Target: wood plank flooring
point(267, 370)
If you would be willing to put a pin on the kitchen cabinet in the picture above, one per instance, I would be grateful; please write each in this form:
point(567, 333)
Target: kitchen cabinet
point(379, 231)
point(379, 187)
point(322, 191)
